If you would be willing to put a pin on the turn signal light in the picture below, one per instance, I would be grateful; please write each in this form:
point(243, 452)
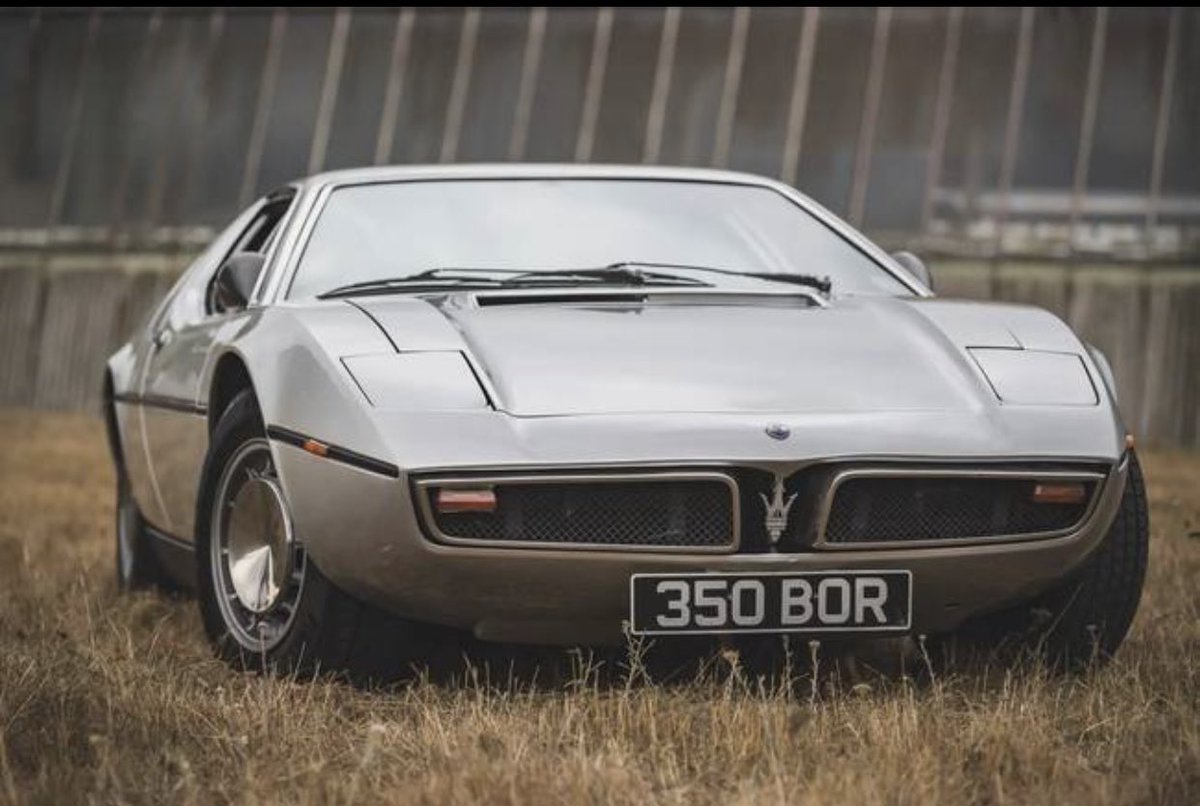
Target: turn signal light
point(465, 500)
point(1059, 492)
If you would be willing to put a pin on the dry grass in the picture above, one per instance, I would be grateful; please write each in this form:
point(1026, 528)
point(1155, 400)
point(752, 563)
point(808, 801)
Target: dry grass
point(110, 699)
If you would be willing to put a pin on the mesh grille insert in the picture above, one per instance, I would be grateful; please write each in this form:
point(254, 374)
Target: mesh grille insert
point(677, 513)
point(882, 509)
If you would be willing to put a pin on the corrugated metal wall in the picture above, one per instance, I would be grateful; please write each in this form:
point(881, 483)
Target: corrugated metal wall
point(1059, 131)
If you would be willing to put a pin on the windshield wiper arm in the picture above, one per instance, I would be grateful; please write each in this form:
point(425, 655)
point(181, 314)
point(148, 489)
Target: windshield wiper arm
point(432, 279)
point(822, 284)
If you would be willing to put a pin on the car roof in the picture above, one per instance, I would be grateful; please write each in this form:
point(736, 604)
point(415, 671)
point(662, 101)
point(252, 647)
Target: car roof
point(522, 170)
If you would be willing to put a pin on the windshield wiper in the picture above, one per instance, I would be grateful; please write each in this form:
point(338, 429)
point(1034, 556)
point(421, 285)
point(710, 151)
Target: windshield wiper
point(469, 278)
point(627, 273)
point(822, 284)
point(615, 274)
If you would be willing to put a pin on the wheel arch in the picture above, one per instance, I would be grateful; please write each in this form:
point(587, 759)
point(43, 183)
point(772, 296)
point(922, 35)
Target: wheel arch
point(230, 377)
point(111, 428)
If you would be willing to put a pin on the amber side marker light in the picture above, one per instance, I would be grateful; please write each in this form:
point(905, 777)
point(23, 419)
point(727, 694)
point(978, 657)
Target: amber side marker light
point(1059, 492)
point(315, 448)
point(449, 501)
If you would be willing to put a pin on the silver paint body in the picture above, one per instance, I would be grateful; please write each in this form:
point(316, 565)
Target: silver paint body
point(687, 378)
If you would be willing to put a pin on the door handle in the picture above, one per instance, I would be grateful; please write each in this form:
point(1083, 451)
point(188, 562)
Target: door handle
point(162, 338)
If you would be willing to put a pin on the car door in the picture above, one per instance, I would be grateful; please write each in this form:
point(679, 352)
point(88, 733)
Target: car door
point(182, 339)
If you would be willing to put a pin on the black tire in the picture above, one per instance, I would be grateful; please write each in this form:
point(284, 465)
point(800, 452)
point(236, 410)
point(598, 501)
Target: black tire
point(137, 565)
point(329, 630)
point(1083, 621)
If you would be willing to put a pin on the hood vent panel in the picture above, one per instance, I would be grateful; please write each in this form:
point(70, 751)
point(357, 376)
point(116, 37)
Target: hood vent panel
point(553, 298)
point(486, 300)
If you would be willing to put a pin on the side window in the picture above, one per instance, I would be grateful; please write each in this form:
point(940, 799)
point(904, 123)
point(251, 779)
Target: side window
point(185, 302)
point(257, 238)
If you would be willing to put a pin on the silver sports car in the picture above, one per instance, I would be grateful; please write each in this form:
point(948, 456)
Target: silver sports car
point(569, 404)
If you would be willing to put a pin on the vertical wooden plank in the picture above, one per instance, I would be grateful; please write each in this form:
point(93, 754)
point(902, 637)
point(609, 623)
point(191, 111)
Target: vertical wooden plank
point(960, 279)
point(870, 116)
point(397, 68)
point(21, 292)
point(329, 89)
point(593, 89)
point(1161, 372)
point(732, 82)
point(1162, 124)
point(1106, 311)
point(798, 105)
point(79, 330)
point(71, 137)
point(125, 167)
point(1087, 126)
point(941, 113)
point(1042, 284)
point(1012, 124)
point(530, 68)
point(462, 79)
point(656, 116)
point(1188, 433)
point(157, 189)
point(262, 107)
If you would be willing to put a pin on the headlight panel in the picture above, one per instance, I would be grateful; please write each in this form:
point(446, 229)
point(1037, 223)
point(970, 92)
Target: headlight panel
point(1036, 377)
point(418, 381)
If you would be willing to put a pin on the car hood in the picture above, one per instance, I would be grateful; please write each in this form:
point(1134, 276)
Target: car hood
point(717, 354)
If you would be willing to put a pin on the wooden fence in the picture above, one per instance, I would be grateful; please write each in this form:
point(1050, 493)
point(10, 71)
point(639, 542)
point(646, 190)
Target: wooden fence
point(61, 317)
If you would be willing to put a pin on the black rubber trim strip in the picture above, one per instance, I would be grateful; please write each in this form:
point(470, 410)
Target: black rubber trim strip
point(374, 321)
point(483, 390)
point(163, 536)
point(335, 452)
point(176, 558)
point(162, 402)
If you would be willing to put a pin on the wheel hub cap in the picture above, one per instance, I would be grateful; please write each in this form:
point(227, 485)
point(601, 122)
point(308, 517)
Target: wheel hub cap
point(260, 544)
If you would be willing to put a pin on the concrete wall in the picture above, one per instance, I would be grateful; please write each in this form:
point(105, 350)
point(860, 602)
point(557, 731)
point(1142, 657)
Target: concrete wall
point(60, 317)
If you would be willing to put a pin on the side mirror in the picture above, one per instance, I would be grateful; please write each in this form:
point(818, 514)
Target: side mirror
point(915, 266)
point(235, 281)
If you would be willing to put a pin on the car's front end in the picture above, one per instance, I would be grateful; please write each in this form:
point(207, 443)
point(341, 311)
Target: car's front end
point(546, 552)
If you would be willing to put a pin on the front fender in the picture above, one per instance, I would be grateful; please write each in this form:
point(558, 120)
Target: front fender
point(293, 357)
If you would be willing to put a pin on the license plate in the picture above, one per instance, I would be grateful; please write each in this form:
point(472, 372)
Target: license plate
point(805, 602)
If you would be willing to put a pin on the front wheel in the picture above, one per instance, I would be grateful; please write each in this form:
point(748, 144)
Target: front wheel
point(265, 605)
point(1085, 619)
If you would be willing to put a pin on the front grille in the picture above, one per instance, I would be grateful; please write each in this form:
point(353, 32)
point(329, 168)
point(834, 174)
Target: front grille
point(649, 512)
point(884, 509)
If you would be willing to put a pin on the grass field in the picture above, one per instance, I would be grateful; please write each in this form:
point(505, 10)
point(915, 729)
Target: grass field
point(114, 699)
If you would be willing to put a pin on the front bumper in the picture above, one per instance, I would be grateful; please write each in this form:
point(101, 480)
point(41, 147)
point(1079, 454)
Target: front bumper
point(362, 531)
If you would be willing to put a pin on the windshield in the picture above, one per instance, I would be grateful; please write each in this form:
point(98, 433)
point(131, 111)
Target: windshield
point(400, 229)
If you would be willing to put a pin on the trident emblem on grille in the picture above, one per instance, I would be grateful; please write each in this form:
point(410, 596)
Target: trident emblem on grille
point(777, 510)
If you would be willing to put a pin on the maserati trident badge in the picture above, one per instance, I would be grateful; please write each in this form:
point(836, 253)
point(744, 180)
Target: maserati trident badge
point(777, 510)
point(778, 431)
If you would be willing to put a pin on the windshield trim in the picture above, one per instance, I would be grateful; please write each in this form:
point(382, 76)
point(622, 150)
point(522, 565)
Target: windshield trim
point(835, 225)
